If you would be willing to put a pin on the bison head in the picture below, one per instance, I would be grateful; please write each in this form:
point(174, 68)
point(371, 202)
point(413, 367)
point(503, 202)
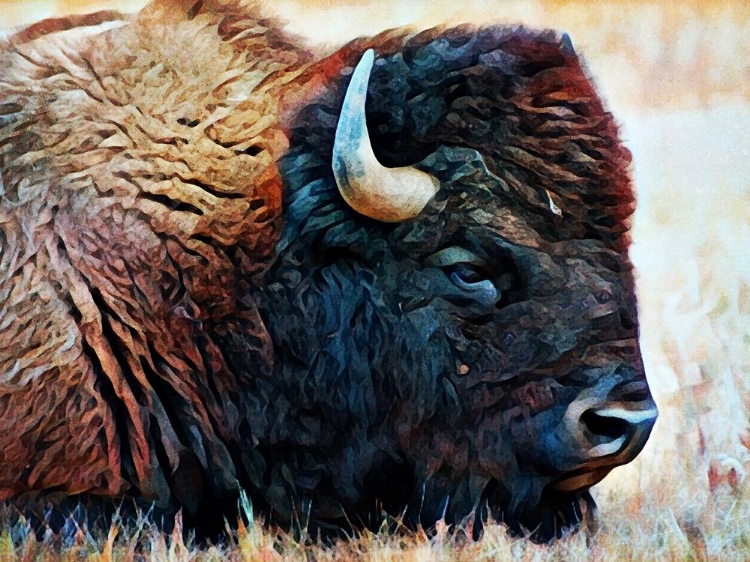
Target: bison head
point(391, 278)
point(451, 305)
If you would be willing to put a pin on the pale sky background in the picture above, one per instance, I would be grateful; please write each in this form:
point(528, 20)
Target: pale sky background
point(677, 77)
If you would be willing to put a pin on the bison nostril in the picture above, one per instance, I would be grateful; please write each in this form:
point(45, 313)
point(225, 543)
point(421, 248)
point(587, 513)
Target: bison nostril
point(607, 434)
point(611, 428)
point(603, 425)
point(599, 423)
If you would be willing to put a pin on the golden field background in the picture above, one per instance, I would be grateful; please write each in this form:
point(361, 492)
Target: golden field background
point(677, 76)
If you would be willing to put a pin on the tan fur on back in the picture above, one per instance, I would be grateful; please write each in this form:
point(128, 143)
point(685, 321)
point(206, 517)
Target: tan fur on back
point(134, 152)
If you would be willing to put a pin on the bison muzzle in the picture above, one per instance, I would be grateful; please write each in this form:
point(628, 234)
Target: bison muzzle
point(393, 277)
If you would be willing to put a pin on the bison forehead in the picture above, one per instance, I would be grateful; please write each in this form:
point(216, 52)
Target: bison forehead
point(523, 102)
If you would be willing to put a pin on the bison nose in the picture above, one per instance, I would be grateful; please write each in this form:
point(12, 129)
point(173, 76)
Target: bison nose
point(611, 426)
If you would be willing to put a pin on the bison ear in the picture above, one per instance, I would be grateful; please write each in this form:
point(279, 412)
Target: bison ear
point(384, 194)
point(567, 44)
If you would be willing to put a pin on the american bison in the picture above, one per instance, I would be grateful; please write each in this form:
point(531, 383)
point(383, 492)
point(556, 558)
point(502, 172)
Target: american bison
point(391, 278)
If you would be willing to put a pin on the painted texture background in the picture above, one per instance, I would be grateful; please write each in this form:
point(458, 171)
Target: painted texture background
point(677, 77)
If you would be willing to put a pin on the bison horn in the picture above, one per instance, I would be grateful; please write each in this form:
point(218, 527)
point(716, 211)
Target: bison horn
point(384, 194)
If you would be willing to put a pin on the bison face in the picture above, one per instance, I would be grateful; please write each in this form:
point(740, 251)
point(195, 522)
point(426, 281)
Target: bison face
point(480, 350)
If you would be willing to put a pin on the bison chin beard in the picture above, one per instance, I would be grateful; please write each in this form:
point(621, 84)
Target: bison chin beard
point(536, 511)
point(554, 515)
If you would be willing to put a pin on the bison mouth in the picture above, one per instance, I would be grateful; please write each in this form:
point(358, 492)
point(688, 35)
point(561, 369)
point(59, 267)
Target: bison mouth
point(578, 481)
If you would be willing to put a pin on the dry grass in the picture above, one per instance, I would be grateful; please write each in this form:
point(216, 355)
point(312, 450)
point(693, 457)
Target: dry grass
point(634, 528)
point(677, 76)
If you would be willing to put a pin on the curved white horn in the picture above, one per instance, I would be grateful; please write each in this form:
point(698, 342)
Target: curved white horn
point(384, 194)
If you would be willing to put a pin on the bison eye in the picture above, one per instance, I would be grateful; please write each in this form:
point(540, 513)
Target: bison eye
point(473, 280)
point(466, 275)
point(468, 272)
